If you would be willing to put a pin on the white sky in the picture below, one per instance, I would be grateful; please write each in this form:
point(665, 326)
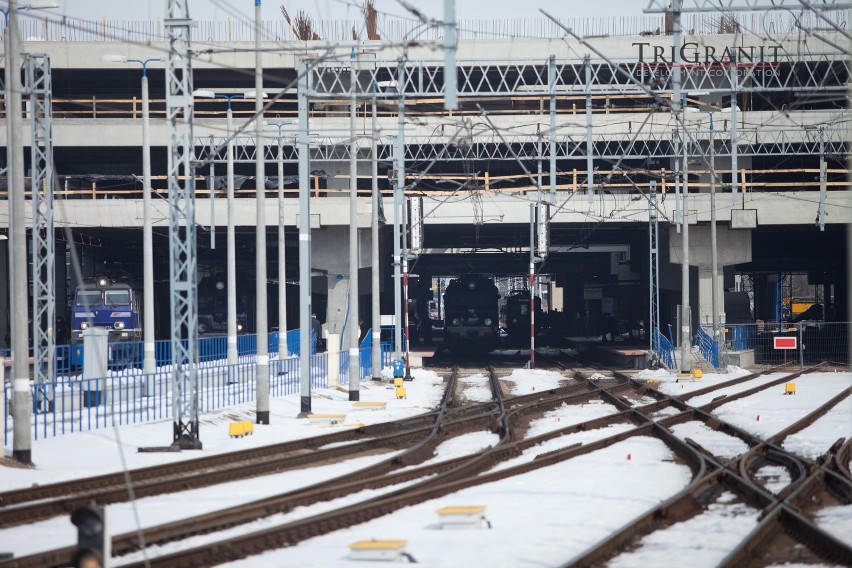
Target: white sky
point(345, 9)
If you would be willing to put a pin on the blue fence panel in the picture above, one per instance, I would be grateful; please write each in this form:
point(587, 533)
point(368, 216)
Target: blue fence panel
point(664, 349)
point(73, 404)
point(246, 344)
point(294, 345)
point(319, 371)
point(743, 336)
point(707, 347)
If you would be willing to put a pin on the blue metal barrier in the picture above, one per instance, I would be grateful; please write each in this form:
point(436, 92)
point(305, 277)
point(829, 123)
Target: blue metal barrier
point(743, 336)
point(708, 348)
point(73, 404)
point(664, 349)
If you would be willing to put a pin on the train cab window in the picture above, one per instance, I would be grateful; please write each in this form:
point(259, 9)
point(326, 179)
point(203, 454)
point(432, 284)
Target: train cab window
point(117, 298)
point(88, 298)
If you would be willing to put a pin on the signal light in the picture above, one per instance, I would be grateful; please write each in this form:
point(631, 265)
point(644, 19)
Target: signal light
point(92, 543)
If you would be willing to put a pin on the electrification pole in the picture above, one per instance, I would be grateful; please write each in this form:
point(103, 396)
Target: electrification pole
point(282, 258)
point(22, 395)
point(304, 244)
point(714, 258)
point(398, 194)
point(183, 268)
point(260, 233)
point(354, 320)
point(231, 246)
point(376, 351)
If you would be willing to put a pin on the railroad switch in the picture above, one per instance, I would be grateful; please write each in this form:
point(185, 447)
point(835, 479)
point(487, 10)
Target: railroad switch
point(789, 388)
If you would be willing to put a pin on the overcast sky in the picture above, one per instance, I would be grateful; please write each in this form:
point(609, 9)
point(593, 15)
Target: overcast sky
point(345, 9)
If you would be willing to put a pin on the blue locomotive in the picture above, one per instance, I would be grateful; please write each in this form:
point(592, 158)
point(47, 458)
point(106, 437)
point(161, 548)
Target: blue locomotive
point(471, 314)
point(112, 302)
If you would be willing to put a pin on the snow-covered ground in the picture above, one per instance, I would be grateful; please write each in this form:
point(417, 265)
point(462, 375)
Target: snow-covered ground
point(718, 443)
point(463, 445)
point(98, 452)
point(777, 410)
point(477, 388)
point(670, 385)
point(814, 440)
point(704, 539)
point(525, 381)
point(542, 518)
point(837, 521)
point(703, 399)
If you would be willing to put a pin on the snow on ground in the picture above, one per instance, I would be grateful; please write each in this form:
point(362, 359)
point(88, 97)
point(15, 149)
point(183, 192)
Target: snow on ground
point(814, 440)
point(525, 381)
point(566, 415)
point(260, 524)
point(664, 412)
point(837, 521)
point(477, 388)
point(153, 511)
point(718, 443)
point(539, 519)
point(703, 399)
point(704, 539)
point(670, 385)
point(545, 517)
point(463, 445)
point(85, 454)
point(773, 477)
point(561, 442)
point(777, 410)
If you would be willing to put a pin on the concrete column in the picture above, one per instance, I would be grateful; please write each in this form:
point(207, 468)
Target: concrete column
point(329, 252)
point(734, 247)
point(705, 294)
point(5, 333)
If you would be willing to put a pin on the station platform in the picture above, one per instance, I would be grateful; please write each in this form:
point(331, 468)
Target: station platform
point(624, 355)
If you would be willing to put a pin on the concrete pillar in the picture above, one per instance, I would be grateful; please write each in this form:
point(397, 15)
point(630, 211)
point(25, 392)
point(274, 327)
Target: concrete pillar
point(734, 247)
point(330, 253)
point(4, 295)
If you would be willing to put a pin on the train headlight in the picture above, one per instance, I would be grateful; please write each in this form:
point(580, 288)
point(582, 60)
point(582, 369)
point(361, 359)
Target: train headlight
point(118, 325)
point(84, 325)
point(487, 321)
point(102, 282)
point(239, 327)
point(456, 321)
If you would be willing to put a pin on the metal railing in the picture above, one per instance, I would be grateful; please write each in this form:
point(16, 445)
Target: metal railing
point(800, 343)
point(708, 348)
point(664, 350)
point(130, 396)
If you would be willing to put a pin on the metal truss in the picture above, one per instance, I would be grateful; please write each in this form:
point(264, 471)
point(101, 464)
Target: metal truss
point(661, 6)
point(771, 70)
point(183, 271)
point(37, 85)
point(610, 146)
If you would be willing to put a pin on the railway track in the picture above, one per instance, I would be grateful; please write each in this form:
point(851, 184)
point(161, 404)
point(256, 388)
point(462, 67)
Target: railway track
point(447, 423)
point(782, 516)
point(503, 416)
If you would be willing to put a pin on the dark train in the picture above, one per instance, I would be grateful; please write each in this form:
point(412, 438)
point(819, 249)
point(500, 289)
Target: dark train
point(111, 301)
point(213, 305)
point(518, 317)
point(471, 314)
